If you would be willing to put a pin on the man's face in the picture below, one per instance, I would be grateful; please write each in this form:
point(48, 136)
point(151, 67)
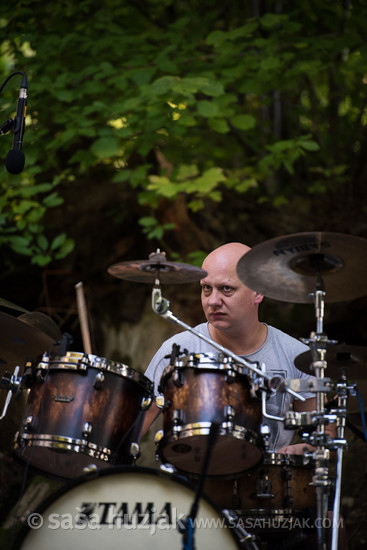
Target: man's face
point(226, 301)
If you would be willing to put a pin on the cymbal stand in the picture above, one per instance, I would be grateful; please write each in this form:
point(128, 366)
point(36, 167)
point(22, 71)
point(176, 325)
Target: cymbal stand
point(320, 440)
point(161, 306)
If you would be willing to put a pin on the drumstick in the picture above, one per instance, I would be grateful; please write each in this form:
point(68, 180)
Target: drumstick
point(83, 318)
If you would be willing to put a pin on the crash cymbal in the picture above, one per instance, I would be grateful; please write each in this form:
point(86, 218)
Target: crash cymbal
point(353, 359)
point(10, 305)
point(20, 342)
point(157, 267)
point(43, 322)
point(292, 267)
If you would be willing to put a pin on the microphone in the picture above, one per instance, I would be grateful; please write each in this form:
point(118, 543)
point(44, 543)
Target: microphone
point(15, 158)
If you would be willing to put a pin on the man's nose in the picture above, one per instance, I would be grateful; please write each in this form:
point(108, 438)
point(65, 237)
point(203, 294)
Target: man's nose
point(215, 297)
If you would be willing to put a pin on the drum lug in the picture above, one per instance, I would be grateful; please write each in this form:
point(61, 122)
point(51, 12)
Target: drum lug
point(229, 412)
point(145, 403)
point(286, 474)
point(134, 450)
point(177, 378)
point(177, 417)
point(230, 376)
point(264, 487)
point(98, 381)
point(159, 400)
point(29, 423)
point(158, 436)
point(87, 429)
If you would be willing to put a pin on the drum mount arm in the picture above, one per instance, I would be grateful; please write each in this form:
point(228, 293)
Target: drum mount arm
point(13, 385)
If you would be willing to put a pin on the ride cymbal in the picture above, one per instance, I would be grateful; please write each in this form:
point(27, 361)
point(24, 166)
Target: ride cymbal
point(291, 268)
point(157, 267)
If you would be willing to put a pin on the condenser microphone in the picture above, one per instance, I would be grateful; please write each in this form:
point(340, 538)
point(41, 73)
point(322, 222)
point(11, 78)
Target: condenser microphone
point(15, 159)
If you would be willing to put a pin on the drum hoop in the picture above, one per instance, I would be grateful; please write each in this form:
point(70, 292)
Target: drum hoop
point(64, 443)
point(192, 361)
point(85, 478)
point(77, 361)
point(227, 428)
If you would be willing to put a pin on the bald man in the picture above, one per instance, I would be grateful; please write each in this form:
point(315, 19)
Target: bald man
point(232, 313)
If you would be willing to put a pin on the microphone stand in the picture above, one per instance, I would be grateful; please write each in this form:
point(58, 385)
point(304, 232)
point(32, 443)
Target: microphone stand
point(5, 127)
point(188, 525)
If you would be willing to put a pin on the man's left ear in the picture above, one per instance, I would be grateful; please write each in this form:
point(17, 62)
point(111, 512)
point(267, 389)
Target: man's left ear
point(258, 298)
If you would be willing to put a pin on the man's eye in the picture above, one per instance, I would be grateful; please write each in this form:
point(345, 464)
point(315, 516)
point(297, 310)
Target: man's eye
point(227, 289)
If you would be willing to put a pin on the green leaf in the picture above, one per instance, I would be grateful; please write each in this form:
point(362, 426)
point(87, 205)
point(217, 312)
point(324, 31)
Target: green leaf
point(219, 125)
point(105, 147)
point(67, 246)
point(216, 38)
point(186, 171)
point(53, 200)
point(58, 241)
point(207, 108)
point(42, 242)
point(243, 122)
point(147, 221)
point(41, 260)
point(309, 145)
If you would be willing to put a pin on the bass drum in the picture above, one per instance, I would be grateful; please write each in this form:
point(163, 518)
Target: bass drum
point(127, 507)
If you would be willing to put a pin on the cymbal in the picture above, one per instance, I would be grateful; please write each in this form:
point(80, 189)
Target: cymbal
point(291, 268)
point(157, 267)
point(10, 305)
point(20, 342)
point(351, 358)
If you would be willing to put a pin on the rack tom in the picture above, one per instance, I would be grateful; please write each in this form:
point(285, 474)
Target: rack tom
point(200, 389)
point(82, 409)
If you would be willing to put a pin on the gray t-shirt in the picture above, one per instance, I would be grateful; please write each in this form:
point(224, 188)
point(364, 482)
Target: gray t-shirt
point(277, 353)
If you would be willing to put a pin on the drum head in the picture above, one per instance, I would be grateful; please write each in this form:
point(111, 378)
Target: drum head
point(131, 507)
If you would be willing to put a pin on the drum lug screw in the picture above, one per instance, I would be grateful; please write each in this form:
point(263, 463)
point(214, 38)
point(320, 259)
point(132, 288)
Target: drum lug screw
point(87, 430)
point(98, 381)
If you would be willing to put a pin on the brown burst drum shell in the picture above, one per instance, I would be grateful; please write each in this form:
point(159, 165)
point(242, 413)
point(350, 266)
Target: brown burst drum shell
point(202, 389)
point(279, 487)
point(68, 399)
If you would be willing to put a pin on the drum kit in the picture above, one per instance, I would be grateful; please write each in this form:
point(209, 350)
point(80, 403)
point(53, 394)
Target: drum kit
point(83, 417)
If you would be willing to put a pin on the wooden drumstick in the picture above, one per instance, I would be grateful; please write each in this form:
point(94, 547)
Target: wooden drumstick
point(83, 318)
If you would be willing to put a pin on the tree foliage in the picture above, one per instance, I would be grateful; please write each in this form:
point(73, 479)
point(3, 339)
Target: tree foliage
point(212, 110)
